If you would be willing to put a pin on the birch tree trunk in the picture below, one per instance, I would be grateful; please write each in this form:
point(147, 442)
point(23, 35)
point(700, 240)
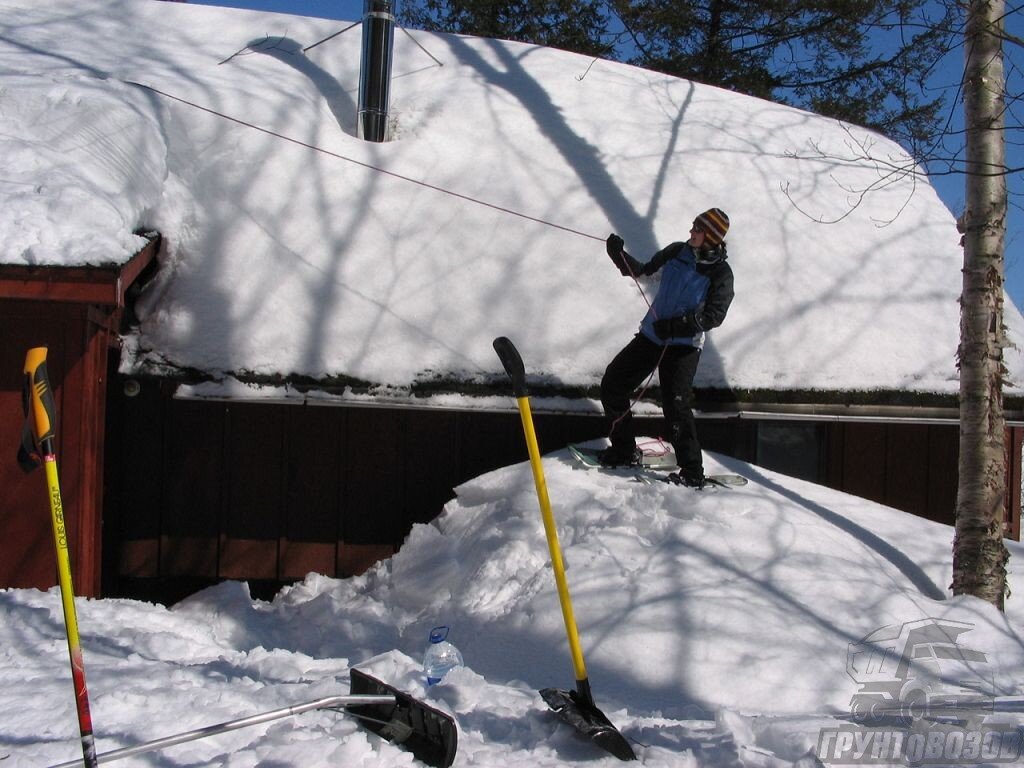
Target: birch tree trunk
point(979, 555)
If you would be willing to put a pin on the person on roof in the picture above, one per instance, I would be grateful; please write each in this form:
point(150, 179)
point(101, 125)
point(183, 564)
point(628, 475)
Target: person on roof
point(694, 296)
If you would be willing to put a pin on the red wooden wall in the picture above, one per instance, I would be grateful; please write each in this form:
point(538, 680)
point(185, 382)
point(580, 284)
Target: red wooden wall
point(912, 467)
point(74, 312)
point(76, 362)
point(201, 491)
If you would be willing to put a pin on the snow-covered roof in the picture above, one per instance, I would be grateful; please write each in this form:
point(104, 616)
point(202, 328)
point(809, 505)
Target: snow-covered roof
point(296, 249)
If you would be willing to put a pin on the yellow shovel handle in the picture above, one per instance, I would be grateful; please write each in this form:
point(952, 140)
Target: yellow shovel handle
point(552, 536)
point(513, 364)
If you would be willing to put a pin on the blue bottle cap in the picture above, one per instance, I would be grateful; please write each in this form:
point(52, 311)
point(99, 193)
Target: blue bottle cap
point(438, 634)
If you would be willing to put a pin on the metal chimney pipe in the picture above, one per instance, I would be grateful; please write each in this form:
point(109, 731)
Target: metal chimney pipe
point(375, 69)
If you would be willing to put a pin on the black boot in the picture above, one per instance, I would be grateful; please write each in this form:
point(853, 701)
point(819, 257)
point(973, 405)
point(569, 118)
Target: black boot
point(694, 480)
point(620, 456)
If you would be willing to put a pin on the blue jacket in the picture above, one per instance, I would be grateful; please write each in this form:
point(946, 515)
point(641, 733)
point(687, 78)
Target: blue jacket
point(705, 289)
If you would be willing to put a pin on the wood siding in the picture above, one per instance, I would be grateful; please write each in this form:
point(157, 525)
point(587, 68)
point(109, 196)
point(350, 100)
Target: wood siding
point(198, 491)
point(201, 491)
point(912, 467)
point(76, 337)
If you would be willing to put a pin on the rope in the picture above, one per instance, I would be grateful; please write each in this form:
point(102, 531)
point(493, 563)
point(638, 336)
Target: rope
point(369, 166)
point(426, 185)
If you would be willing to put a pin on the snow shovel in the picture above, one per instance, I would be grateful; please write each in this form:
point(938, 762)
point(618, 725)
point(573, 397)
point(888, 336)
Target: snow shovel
point(577, 707)
point(428, 733)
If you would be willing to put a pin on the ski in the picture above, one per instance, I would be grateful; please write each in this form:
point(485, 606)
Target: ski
point(588, 458)
point(717, 480)
point(648, 471)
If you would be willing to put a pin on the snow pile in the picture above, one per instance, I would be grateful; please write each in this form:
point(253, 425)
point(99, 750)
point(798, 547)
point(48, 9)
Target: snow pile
point(296, 248)
point(715, 628)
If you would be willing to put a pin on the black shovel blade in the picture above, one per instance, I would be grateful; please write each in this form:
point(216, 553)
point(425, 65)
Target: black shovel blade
point(430, 734)
point(588, 720)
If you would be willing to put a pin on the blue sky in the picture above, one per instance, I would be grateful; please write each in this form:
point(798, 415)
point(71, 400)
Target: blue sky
point(949, 187)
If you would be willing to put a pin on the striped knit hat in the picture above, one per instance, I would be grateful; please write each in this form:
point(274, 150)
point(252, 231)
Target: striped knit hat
point(715, 224)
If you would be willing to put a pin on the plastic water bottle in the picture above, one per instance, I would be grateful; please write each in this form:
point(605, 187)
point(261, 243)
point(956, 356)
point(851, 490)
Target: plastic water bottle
point(441, 656)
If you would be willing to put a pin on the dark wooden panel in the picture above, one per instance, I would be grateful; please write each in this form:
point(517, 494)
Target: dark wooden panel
point(488, 441)
point(429, 465)
point(314, 474)
point(253, 472)
point(193, 489)
point(354, 559)
point(189, 556)
point(239, 558)
point(791, 448)
point(834, 449)
point(864, 461)
point(297, 558)
point(193, 466)
point(732, 437)
point(373, 467)
point(555, 431)
point(134, 506)
point(906, 466)
point(313, 491)
point(943, 472)
point(1015, 443)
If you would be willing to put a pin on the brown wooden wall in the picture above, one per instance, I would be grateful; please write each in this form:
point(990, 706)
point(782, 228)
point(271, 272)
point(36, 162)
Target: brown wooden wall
point(199, 491)
point(75, 312)
point(913, 467)
point(76, 336)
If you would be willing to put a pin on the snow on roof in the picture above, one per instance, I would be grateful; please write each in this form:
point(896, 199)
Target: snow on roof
point(296, 249)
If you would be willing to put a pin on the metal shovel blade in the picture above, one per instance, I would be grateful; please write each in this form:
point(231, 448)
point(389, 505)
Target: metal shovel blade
point(430, 734)
point(588, 720)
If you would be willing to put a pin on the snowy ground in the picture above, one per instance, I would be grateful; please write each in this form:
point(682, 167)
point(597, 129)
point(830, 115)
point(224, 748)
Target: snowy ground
point(715, 626)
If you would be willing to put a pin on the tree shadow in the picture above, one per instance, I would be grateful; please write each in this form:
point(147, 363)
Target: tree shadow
point(336, 97)
point(914, 573)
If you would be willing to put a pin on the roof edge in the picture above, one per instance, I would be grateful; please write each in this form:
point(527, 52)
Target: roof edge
point(489, 392)
point(102, 284)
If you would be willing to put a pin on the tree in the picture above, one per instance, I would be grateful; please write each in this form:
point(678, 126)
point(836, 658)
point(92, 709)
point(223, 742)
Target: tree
point(861, 61)
point(572, 25)
point(979, 555)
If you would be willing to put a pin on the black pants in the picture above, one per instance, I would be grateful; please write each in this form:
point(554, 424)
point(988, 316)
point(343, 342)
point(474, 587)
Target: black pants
point(676, 366)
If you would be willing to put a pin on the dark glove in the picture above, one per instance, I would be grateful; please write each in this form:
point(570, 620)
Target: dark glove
point(614, 244)
point(681, 326)
point(626, 264)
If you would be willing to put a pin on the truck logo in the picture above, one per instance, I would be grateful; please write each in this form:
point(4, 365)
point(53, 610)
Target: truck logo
point(921, 701)
point(915, 670)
